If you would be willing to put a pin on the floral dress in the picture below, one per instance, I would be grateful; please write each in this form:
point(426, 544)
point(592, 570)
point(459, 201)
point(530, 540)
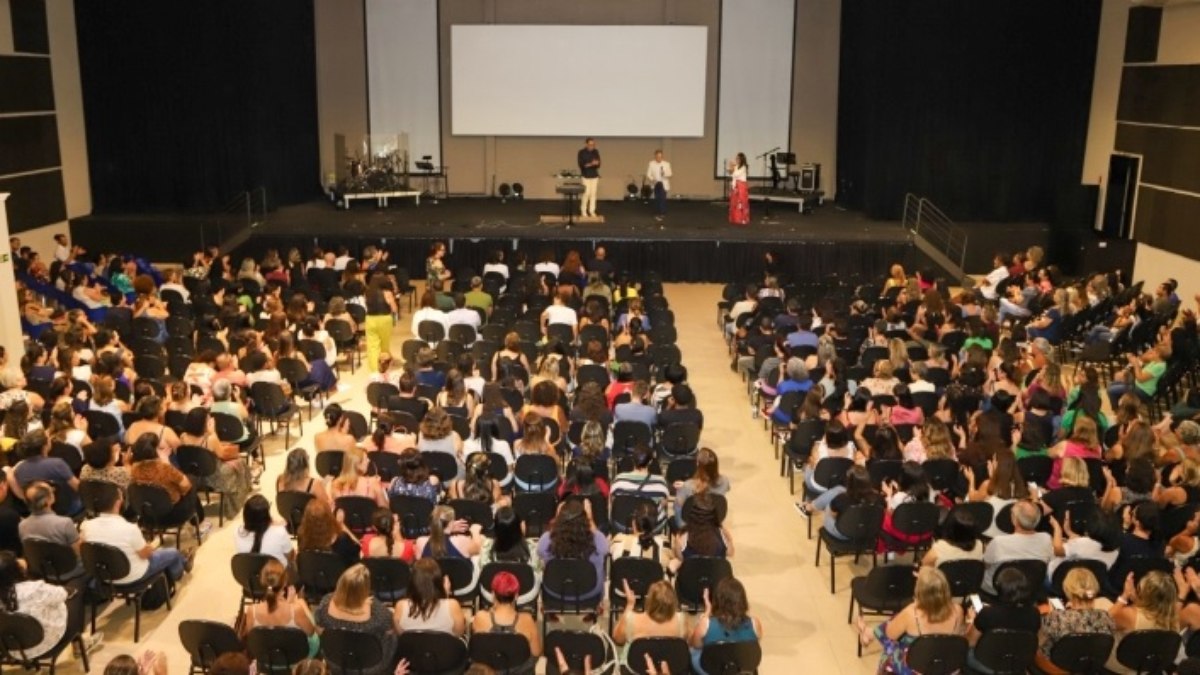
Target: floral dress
point(894, 660)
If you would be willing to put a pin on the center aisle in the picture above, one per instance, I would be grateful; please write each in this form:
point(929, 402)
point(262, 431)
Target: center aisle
point(803, 624)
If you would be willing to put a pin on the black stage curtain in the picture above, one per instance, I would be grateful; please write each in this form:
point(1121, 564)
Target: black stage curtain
point(189, 103)
point(675, 261)
point(980, 106)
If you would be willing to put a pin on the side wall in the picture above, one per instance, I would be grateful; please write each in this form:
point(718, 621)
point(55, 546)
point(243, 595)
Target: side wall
point(1168, 217)
point(473, 161)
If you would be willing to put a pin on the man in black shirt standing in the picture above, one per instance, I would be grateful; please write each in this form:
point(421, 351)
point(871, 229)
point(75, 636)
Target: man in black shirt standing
point(589, 168)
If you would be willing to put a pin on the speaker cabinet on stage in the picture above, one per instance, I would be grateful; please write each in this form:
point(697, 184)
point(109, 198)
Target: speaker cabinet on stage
point(810, 177)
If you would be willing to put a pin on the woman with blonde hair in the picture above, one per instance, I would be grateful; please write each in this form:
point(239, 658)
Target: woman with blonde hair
point(353, 607)
point(353, 481)
point(1183, 485)
point(1078, 615)
point(660, 617)
point(281, 606)
point(1151, 604)
point(66, 426)
point(896, 279)
point(1074, 487)
point(883, 380)
point(1083, 443)
point(932, 612)
point(930, 441)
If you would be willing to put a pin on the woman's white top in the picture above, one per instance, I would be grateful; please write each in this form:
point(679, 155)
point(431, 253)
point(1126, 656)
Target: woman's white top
point(739, 174)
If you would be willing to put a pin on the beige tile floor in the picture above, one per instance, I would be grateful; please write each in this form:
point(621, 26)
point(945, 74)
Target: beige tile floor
point(805, 626)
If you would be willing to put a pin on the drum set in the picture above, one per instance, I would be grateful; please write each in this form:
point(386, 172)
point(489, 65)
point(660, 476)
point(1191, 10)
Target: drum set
point(378, 172)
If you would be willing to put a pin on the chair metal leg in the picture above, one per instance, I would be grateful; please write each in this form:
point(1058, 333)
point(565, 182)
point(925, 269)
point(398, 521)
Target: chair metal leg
point(817, 560)
point(832, 572)
point(137, 618)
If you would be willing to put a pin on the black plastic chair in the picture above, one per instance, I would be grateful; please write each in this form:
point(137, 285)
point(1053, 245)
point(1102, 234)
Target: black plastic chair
point(536, 509)
point(697, 574)
point(883, 592)
point(627, 435)
point(860, 525)
point(207, 640)
point(1096, 567)
point(829, 472)
point(577, 647)
point(69, 454)
point(273, 407)
point(1034, 571)
point(1149, 651)
point(1006, 652)
point(640, 573)
point(463, 582)
point(50, 561)
point(102, 424)
point(622, 507)
point(276, 648)
point(356, 512)
point(680, 440)
point(318, 573)
point(731, 658)
point(20, 632)
point(429, 651)
point(291, 505)
point(918, 521)
point(389, 577)
point(230, 429)
point(156, 514)
point(526, 579)
point(965, 576)
point(200, 465)
point(503, 652)
point(413, 512)
point(982, 514)
point(246, 568)
point(296, 373)
point(1036, 468)
point(93, 492)
point(539, 472)
point(670, 650)
point(1082, 652)
point(106, 564)
point(937, 654)
point(328, 463)
point(570, 587)
point(474, 512)
point(353, 651)
point(441, 464)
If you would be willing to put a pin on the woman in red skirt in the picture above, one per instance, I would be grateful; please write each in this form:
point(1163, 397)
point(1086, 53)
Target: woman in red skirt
point(739, 194)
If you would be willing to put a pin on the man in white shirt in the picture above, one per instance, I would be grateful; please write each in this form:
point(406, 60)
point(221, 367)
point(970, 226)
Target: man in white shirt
point(1025, 543)
point(174, 283)
point(987, 287)
point(343, 258)
point(144, 560)
point(658, 172)
point(62, 250)
point(461, 315)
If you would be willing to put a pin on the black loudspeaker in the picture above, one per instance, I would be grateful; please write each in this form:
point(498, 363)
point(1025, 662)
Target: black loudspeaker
point(810, 177)
point(1071, 232)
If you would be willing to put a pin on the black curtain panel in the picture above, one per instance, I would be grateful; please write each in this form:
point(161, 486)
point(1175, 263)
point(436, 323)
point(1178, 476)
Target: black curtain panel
point(189, 103)
point(980, 106)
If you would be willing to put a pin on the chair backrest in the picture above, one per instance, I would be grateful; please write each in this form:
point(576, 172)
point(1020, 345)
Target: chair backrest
point(502, 651)
point(671, 650)
point(697, 574)
point(318, 572)
point(69, 454)
point(731, 658)
point(93, 492)
point(576, 646)
point(540, 472)
point(276, 649)
point(680, 439)
point(441, 464)
point(1149, 651)
point(639, 572)
point(291, 505)
point(413, 513)
point(937, 654)
point(474, 512)
point(230, 429)
point(356, 512)
point(831, 471)
point(49, 560)
point(1082, 652)
point(860, 524)
point(106, 563)
point(536, 510)
point(269, 399)
point(569, 579)
point(1034, 571)
point(1036, 468)
point(943, 474)
point(206, 640)
point(151, 503)
point(389, 577)
point(623, 506)
point(1096, 567)
point(628, 434)
point(1007, 652)
point(965, 576)
point(352, 650)
point(893, 583)
point(246, 568)
point(524, 573)
point(196, 461)
point(101, 424)
point(461, 572)
point(916, 519)
point(328, 463)
point(982, 513)
point(429, 651)
point(19, 632)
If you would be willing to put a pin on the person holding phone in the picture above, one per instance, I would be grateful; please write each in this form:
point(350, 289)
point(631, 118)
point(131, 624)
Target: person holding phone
point(1015, 610)
point(589, 169)
point(739, 192)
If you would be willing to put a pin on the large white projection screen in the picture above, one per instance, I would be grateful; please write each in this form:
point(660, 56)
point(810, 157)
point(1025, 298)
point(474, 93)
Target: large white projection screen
point(516, 80)
point(754, 108)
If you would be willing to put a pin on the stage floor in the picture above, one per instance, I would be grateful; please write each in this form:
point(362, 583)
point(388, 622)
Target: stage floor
point(491, 218)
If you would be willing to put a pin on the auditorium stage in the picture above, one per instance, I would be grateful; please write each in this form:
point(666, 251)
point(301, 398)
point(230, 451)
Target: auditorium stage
point(694, 243)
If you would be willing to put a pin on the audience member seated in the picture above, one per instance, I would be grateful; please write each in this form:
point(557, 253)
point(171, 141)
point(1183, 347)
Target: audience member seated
point(37, 465)
point(110, 527)
point(642, 483)
point(259, 533)
point(573, 536)
point(354, 481)
point(429, 604)
point(352, 607)
point(1025, 543)
point(509, 545)
point(321, 531)
point(449, 536)
point(385, 541)
point(104, 461)
point(1078, 615)
point(1014, 610)
point(726, 618)
point(414, 479)
point(504, 617)
point(296, 476)
point(232, 478)
point(282, 606)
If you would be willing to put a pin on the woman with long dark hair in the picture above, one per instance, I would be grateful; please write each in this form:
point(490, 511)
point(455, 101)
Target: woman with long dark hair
point(704, 534)
point(47, 603)
point(739, 192)
point(573, 535)
point(428, 604)
point(384, 541)
point(259, 533)
point(509, 545)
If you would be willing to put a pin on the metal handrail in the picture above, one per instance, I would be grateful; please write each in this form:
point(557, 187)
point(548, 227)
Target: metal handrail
point(941, 237)
point(245, 211)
